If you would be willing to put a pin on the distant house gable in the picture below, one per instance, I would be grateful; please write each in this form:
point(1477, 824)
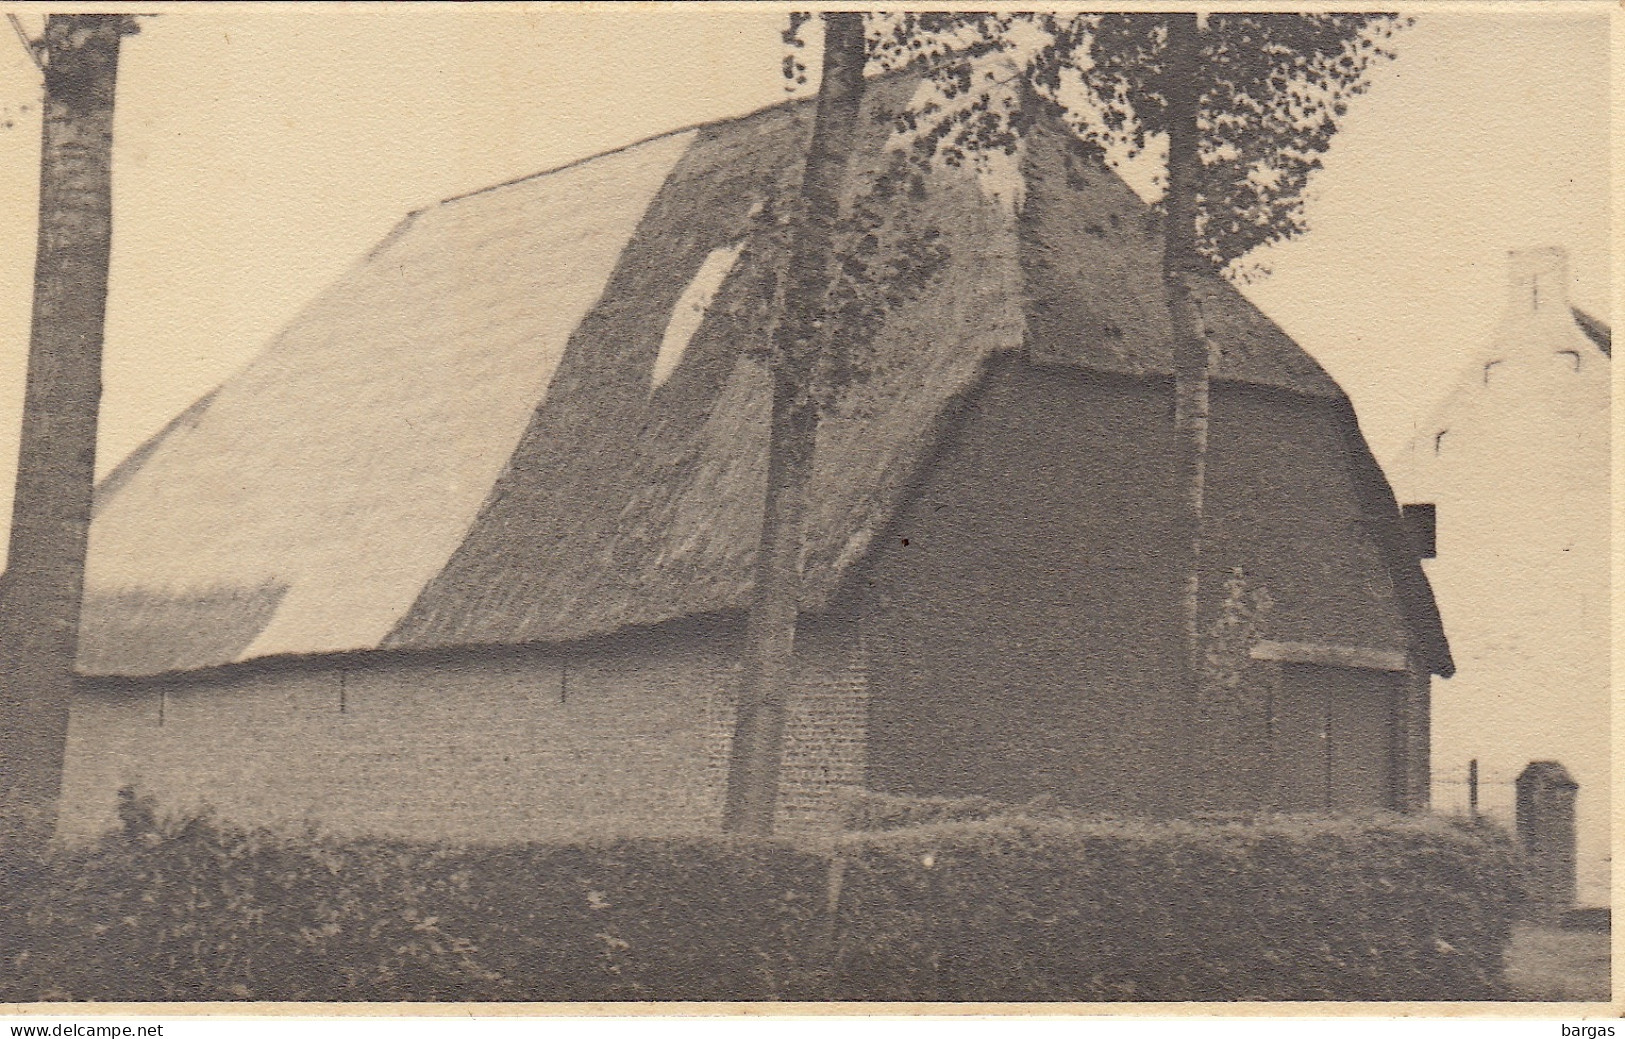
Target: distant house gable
point(1514, 472)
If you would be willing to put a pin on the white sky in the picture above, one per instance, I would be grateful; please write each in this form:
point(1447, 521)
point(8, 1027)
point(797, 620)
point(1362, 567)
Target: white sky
point(261, 150)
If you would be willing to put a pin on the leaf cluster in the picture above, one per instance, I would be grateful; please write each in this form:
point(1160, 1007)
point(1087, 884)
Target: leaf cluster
point(1272, 89)
point(886, 251)
point(1229, 675)
point(10, 115)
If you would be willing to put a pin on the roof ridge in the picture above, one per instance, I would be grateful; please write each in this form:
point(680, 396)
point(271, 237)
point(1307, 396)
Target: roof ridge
point(652, 138)
point(786, 103)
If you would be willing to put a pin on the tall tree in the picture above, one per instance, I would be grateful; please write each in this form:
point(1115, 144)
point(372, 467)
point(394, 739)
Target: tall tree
point(800, 331)
point(44, 578)
point(1192, 353)
point(1246, 103)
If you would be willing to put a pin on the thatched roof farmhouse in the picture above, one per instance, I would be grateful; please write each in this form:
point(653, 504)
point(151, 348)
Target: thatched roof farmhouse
point(464, 552)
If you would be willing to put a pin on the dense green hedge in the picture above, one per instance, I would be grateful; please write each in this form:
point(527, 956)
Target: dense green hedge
point(1014, 906)
point(1287, 908)
point(699, 919)
point(200, 912)
point(197, 911)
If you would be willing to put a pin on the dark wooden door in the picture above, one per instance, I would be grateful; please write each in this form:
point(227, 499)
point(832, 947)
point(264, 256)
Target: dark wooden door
point(1335, 737)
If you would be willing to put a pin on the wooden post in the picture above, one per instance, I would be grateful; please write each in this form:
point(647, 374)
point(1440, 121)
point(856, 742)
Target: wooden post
point(1472, 790)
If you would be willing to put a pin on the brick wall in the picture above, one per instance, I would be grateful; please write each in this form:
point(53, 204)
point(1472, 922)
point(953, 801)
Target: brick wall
point(1023, 603)
point(518, 747)
point(510, 746)
point(825, 731)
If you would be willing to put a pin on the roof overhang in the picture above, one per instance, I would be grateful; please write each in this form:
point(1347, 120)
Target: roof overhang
point(1328, 655)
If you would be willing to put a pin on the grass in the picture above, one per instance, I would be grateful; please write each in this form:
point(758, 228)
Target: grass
point(1550, 964)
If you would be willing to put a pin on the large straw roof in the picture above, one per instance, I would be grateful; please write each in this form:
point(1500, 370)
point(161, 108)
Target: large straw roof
point(464, 441)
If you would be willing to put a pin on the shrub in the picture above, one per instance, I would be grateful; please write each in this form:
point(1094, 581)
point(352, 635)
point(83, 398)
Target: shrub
point(1286, 908)
point(191, 910)
point(650, 919)
point(1038, 903)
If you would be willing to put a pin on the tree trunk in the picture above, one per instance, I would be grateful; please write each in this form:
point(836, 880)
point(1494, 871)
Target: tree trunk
point(1181, 265)
point(56, 467)
point(753, 773)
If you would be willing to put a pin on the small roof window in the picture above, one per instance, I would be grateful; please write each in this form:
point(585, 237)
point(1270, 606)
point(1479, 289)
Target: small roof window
point(689, 312)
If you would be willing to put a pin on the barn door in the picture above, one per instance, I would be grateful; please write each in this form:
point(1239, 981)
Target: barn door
point(1335, 737)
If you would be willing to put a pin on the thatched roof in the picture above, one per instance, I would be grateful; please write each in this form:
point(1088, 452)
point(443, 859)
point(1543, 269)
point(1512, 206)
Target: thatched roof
point(494, 430)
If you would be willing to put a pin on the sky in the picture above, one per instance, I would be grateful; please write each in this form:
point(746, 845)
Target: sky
point(261, 150)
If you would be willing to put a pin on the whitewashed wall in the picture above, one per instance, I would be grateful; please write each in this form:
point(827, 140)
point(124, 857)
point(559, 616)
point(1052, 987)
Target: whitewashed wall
point(1517, 462)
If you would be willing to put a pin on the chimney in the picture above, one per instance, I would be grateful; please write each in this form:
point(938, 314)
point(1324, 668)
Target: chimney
point(1538, 279)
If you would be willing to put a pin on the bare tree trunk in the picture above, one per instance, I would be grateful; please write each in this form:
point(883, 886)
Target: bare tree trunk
point(753, 773)
point(1181, 264)
point(56, 468)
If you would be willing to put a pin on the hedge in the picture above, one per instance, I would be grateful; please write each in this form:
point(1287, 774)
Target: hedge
point(996, 904)
point(200, 912)
point(1020, 908)
point(193, 910)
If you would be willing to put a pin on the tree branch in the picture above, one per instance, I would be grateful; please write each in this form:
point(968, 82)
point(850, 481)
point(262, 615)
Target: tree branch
point(33, 47)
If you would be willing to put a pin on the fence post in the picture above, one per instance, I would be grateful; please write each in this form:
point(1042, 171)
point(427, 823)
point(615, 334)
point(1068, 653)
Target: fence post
point(1545, 823)
point(1472, 790)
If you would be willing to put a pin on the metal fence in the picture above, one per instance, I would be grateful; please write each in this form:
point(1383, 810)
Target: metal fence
point(1469, 792)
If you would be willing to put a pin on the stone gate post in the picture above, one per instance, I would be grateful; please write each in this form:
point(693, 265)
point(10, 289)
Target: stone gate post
point(1545, 823)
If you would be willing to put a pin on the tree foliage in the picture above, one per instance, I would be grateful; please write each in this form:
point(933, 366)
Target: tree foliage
point(886, 250)
point(1271, 92)
point(1273, 89)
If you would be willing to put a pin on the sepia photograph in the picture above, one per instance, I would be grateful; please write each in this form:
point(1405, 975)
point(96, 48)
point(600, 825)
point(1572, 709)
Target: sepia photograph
point(806, 510)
